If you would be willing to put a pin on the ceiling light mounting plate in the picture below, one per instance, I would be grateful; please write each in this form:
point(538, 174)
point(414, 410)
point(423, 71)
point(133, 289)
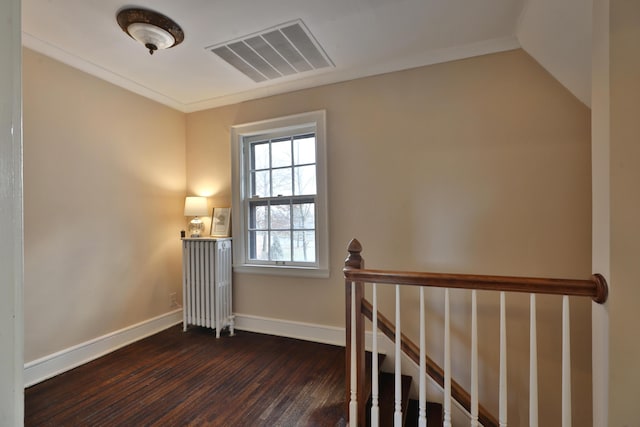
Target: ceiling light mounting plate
point(154, 30)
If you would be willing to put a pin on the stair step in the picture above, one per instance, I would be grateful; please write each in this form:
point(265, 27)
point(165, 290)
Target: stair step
point(367, 370)
point(387, 397)
point(386, 382)
point(434, 414)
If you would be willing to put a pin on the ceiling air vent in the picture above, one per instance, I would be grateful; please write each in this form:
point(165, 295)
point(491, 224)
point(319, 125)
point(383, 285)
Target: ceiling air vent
point(279, 51)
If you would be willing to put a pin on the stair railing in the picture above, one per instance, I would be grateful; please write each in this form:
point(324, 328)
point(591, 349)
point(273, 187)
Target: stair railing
point(357, 308)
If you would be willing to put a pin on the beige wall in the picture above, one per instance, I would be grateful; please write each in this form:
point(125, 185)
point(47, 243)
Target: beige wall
point(480, 165)
point(625, 213)
point(104, 174)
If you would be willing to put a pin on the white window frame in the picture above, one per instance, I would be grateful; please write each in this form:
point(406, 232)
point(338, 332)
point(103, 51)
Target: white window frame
point(287, 125)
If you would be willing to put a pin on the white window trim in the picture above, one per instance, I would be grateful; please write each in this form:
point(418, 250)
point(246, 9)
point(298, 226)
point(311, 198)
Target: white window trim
point(239, 223)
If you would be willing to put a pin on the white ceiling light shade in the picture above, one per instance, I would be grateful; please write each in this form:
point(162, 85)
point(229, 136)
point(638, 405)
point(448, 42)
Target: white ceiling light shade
point(152, 29)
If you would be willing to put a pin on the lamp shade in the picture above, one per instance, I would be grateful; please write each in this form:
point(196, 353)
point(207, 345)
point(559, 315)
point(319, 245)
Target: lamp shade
point(196, 206)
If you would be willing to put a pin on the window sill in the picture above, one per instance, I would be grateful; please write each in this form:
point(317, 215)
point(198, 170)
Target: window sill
point(316, 273)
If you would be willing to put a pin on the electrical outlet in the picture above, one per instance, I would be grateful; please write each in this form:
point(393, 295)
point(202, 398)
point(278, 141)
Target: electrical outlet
point(174, 300)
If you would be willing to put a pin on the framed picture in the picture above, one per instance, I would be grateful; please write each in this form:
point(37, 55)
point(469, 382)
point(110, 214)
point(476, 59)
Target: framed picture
point(220, 222)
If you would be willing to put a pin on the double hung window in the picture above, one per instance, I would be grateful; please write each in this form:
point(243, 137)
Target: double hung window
point(280, 196)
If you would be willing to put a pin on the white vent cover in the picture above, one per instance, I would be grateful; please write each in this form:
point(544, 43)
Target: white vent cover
point(279, 51)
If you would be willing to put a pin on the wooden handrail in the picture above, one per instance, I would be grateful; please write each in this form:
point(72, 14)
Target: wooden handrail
point(356, 275)
point(595, 287)
point(433, 370)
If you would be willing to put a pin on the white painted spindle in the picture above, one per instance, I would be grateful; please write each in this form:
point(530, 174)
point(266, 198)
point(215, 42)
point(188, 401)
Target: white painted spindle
point(566, 364)
point(533, 364)
point(502, 409)
point(474, 359)
point(375, 410)
point(353, 402)
point(422, 398)
point(397, 413)
point(447, 362)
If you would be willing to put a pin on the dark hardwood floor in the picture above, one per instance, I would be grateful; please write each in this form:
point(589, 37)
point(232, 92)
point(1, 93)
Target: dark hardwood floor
point(177, 378)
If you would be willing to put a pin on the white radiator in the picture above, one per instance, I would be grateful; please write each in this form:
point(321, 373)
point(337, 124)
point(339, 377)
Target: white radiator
point(206, 283)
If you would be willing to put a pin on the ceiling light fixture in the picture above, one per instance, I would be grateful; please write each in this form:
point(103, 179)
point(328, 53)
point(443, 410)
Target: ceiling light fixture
point(152, 29)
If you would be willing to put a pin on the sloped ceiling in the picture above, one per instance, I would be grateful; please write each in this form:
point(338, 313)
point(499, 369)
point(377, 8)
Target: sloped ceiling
point(361, 37)
point(557, 33)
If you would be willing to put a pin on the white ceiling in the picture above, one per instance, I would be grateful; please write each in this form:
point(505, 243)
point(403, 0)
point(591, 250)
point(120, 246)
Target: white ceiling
point(361, 37)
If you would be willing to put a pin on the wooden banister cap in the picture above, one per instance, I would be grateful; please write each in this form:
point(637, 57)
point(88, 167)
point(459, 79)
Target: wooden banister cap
point(355, 247)
point(354, 260)
point(602, 288)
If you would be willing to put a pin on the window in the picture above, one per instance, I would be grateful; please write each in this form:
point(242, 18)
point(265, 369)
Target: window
point(279, 196)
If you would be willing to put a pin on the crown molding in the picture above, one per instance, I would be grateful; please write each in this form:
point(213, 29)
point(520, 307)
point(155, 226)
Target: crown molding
point(336, 76)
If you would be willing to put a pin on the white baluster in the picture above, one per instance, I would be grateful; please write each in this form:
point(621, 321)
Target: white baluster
point(422, 405)
point(566, 364)
point(397, 414)
point(447, 362)
point(353, 402)
point(502, 417)
point(533, 365)
point(474, 359)
point(375, 410)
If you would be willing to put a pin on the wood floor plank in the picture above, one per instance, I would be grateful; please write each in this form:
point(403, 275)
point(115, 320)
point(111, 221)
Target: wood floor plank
point(177, 378)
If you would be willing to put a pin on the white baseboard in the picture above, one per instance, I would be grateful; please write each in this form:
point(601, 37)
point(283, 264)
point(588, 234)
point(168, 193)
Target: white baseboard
point(51, 365)
point(299, 330)
point(46, 367)
point(287, 328)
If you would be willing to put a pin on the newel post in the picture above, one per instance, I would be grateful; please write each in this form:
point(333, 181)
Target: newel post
point(354, 344)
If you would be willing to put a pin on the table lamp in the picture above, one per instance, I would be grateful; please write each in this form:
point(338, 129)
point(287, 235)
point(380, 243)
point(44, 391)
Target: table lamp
point(195, 207)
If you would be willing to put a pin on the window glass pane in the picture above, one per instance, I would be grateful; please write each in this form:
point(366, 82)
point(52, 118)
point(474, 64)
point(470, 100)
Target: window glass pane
point(281, 153)
point(304, 216)
point(259, 245)
point(281, 182)
point(280, 217)
point(260, 155)
point(260, 184)
point(281, 245)
point(304, 150)
point(258, 218)
point(304, 246)
point(305, 180)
